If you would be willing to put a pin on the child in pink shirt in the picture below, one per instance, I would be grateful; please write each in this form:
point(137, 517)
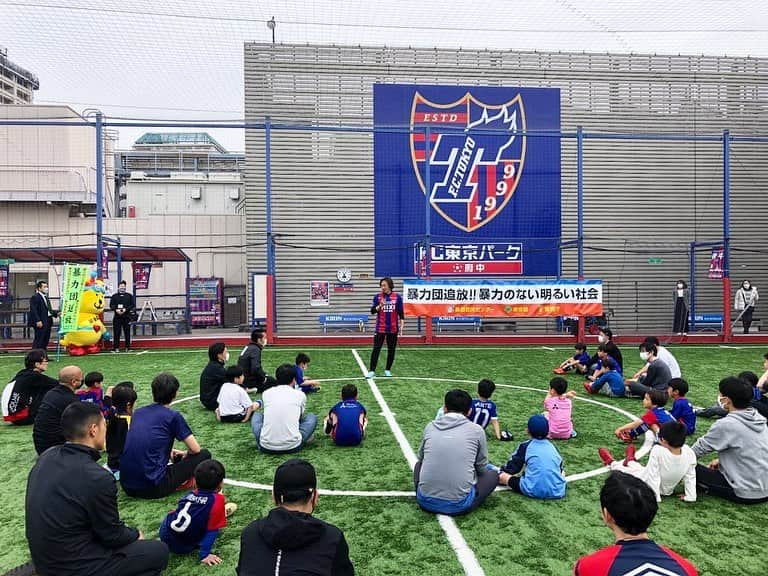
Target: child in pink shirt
point(557, 409)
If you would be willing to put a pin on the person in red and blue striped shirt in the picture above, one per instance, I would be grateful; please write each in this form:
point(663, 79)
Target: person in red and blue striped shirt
point(388, 307)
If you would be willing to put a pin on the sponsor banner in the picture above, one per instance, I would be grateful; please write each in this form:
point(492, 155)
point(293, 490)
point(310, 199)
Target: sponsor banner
point(470, 259)
point(75, 277)
point(319, 293)
point(104, 272)
point(716, 263)
point(4, 274)
point(485, 179)
point(503, 298)
point(141, 274)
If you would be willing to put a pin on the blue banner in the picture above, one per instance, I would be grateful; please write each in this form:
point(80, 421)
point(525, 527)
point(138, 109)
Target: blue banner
point(488, 181)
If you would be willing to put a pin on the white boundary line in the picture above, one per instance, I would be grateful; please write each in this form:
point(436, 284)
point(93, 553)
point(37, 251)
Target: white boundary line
point(464, 553)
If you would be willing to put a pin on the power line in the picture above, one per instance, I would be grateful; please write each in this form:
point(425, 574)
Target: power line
point(369, 26)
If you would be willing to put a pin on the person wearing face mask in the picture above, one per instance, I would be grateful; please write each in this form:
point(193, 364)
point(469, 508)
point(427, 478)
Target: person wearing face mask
point(605, 337)
point(122, 304)
point(682, 299)
point(656, 377)
point(250, 362)
point(41, 316)
point(740, 439)
point(214, 375)
point(745, 301)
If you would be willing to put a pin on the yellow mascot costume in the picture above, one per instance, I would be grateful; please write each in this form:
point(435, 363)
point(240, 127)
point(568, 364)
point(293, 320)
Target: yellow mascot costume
point(90, 328)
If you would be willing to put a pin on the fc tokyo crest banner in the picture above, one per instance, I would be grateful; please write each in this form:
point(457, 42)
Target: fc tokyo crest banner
point(503, 298)
point(466, 150)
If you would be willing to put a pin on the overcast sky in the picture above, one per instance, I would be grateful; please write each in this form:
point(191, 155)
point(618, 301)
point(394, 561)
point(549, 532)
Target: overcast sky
point(184, 59)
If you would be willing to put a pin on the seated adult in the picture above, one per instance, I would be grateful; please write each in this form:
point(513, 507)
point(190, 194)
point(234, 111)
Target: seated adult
point(46, 431)
point(657, 376)
point(72, 522)
point(213, 375)
point(664, 355)
point(144, 468)
point(283, 426)
point(605, 337)
point(450, 476)
point(628, 507)
point(290, 540)
point(740, 471)
point(23, 395)
point(250, 362)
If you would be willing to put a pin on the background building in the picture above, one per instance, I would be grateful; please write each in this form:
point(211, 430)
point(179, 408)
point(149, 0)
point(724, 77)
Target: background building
point(645, 201)
point(17, 85)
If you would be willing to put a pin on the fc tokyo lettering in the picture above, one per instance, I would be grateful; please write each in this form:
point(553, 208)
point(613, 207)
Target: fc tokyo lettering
point(481, 160)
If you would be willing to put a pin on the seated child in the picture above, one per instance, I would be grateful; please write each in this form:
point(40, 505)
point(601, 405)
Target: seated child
point(682, 410)
point(347, 420)
point(93, 392)
point(199, 516)
point(483, 409)
point(611, 376)
point(540, 463)
point(653, 401)
point(669, 462)
point(759, 400)
point(604, 362)
point(306, 386)
point(579, 362)
point(234, 403)
point(557, 409)
point(122, 399)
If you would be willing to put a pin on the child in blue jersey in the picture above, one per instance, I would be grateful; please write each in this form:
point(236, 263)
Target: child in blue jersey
point(347, 420)
point(197, 519)
point(540, 462)
point(682, 410)
point(484, 409)
point(306, 386)
point(579, 362)
point(93, 392)
point(653, 401)
point(609, 382)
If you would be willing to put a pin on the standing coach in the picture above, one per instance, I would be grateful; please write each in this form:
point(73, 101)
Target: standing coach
point(122, 304)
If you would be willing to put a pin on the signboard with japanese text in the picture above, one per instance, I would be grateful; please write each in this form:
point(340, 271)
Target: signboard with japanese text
point(4, 274)
point(319, 293)
point(462, 157)
point(716, 263)
point(470, 259)
point(503, 298)
point(75, 277)
point(141, 274)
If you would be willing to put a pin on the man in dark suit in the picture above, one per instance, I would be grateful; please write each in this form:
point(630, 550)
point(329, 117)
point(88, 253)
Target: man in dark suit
point(41, 316)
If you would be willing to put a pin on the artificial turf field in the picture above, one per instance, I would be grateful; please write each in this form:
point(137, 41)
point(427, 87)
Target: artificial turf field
point(509, 534)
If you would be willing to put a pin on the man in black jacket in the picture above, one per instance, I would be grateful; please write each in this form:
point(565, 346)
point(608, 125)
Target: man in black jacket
point(27, 389)
point(121, 303)
point(41, 315)
point(214, 375)
point(250, 362)
point(73, 526)
point(47, 431)
point(290, 537)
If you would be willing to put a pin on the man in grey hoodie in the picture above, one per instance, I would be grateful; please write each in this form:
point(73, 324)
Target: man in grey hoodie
point(451, 476)
point(740, 473)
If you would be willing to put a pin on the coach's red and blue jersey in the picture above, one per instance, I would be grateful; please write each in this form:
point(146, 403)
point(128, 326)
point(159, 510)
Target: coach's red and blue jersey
point(388, 318)
point(348, 430)
point(483, 411)
point(635, 557)
point(683, 412)
point(196, 514)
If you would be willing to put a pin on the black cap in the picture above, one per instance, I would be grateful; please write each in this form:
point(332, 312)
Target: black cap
point(295, 480)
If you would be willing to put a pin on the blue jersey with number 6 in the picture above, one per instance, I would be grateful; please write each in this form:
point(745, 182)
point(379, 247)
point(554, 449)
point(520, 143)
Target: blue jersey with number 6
point(483, 411)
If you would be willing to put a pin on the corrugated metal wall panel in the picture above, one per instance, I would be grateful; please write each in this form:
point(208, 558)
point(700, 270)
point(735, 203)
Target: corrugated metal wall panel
point(642, 199)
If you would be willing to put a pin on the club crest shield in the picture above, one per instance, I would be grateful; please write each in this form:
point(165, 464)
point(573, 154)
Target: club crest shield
point(476, 152)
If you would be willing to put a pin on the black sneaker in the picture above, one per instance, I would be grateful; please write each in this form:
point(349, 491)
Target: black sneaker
point(328, 426)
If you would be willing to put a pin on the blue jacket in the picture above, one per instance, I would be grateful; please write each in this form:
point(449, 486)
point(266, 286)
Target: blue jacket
point(543, 474)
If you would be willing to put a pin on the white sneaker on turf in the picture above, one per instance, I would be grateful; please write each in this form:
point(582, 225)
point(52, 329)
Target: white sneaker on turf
point(370, 374)
point(387, 373)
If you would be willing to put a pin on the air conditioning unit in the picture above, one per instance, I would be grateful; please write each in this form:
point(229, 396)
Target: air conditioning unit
point(138, 175)
point(234, 193)
point(196, 193)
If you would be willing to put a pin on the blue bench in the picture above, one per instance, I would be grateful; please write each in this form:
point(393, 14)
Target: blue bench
point(707, 321)
point(343, 321)
point(473, 322)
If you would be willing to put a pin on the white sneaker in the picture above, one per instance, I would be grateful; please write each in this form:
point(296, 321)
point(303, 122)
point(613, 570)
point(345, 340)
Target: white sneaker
point(387, 373)
point(370, 374)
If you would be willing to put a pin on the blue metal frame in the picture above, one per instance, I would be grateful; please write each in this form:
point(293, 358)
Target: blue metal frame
point(99, 190)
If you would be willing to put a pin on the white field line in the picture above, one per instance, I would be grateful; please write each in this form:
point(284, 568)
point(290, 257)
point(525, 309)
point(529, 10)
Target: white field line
point(463, 552)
